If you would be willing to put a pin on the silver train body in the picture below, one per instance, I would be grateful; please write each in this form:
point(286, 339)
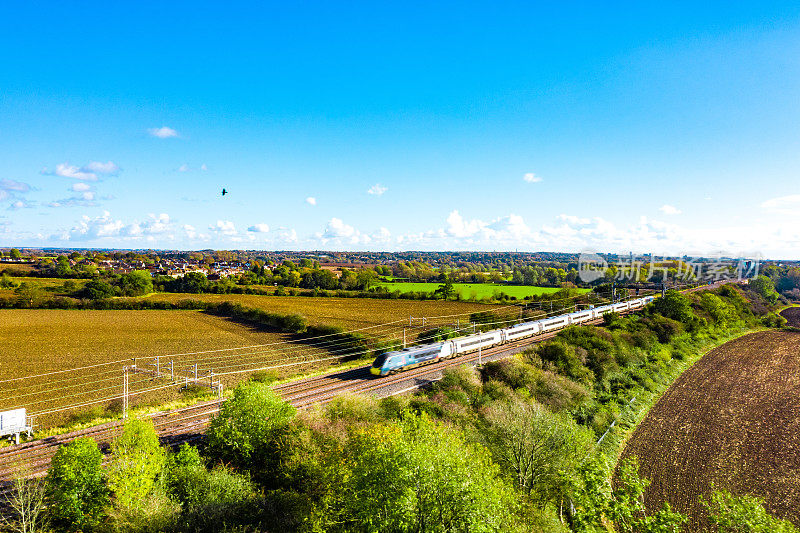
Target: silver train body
point(391, 362)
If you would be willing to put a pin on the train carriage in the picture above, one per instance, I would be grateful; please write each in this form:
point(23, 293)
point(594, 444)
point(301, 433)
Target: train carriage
point(480, 340)
point(391, 362)
point(598, 312)
point(580, 317)
point(521, 331)
point(556, 322)
point(618, 308)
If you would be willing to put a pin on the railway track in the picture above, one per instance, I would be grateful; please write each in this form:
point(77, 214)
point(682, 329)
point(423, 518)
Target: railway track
point(189, 423)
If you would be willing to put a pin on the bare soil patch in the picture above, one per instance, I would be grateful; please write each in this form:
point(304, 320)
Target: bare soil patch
point(733, 421)
point(792, 315)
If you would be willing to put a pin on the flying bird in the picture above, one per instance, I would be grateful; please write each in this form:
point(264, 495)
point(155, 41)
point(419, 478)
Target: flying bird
point(224, 192)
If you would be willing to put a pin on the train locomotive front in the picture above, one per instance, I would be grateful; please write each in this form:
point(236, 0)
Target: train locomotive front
point(390, 362)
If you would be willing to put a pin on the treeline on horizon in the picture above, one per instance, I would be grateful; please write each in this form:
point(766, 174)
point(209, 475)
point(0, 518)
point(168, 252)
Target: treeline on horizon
point(511, 447)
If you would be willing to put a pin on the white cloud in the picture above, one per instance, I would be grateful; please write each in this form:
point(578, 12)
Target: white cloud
point(530, 177)
point(500, 230)
point(203, 167)
point(183, 168)
point(156, 224)
point(285, 235)
point(258, 228)
point(783, 205)
point(311, 200)
point(338, 232)
point(193, 234)
point(99, 227)
point(89, 172)
point(81, 187)
point(105, 227)
point(223, 227)
point(20, 204)
point(69, 171)
point(458, 227)
point(377, 189)
point(98, 167)
point(4, 195)
point(85, 199)
point(163, 132)
point(14, 186)
point(669, 210)
point(336, 229)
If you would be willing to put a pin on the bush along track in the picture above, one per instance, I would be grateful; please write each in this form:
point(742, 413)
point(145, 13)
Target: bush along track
point(511, 447)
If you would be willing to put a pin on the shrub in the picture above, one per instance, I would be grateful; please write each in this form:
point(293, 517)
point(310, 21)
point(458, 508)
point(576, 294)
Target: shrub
point(764, 287)
point(137, 461)
point(743, 514)
point(247, 425)
point(76, 490)
point(664, 328)
point(676, 306)
point(566, 359)
point(351, 407)
point(513, 373)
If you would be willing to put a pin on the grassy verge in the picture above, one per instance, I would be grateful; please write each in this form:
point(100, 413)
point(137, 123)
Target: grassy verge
point(149, 409)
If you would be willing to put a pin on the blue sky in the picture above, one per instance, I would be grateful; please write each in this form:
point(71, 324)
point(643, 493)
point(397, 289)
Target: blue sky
point(514, 126)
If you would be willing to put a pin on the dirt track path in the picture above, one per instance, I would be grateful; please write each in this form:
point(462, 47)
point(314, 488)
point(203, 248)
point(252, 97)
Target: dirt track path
point(733, 419)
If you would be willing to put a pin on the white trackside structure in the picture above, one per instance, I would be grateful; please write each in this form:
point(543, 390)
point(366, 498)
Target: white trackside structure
point(13, 423)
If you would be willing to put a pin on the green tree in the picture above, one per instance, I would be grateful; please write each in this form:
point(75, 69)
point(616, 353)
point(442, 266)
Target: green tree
point(63, 267)
point(76, 490)
point(29, 294)
point(364, 278)
point(418, 475)
point(764, 287)
point(137, 461)
point(6, 282)
point(596, 502)
point(535, 447)
point(15, 254)
point(676, 306)
point(247, 426)
point(446, 289)
point(97, 289)
point(743, 514)
point(136, 283)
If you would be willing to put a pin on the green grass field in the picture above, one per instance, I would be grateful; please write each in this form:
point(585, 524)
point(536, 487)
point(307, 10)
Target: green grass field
point(476, 290)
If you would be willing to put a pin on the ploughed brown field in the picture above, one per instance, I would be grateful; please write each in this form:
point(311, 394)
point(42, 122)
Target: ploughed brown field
point(792, 314)
point(732, 420)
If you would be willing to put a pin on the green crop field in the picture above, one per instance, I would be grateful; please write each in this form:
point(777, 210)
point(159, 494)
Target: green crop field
point(476, 290)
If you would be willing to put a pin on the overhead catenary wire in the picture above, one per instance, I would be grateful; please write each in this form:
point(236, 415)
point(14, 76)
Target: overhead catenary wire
point(33, 376)
point(283, 346)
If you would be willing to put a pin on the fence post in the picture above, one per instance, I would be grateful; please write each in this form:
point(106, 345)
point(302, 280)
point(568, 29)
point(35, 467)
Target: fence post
point(124, 392)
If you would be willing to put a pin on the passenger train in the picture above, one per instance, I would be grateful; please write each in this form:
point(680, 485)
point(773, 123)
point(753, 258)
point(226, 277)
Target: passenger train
point(391, 362)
